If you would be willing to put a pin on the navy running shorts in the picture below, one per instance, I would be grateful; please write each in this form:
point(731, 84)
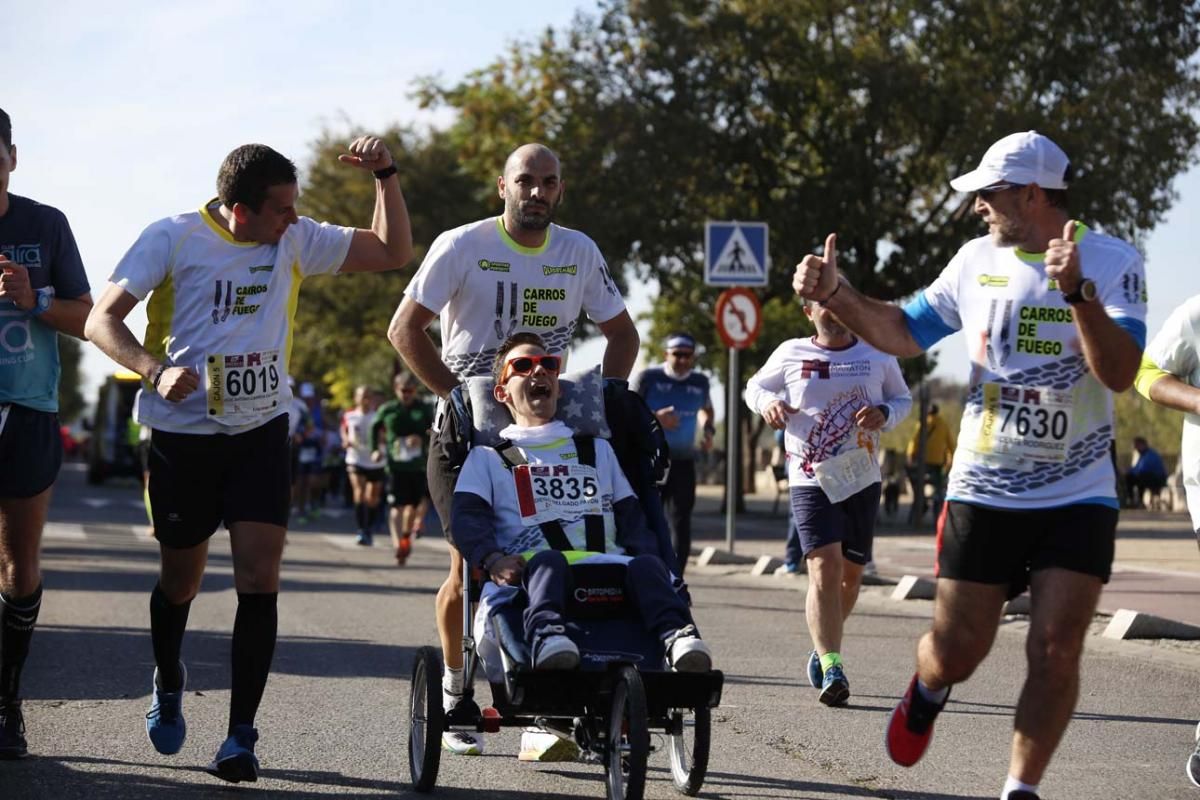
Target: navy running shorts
point(850, 522)
point(31, 451)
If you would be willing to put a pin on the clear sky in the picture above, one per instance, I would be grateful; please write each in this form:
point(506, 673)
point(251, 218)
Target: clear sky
point(122, 112)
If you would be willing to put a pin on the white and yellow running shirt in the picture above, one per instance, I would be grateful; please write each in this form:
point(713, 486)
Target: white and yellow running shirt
point(224, 308)
point(486, 287)
point(1175, 350)
point(1036, 424)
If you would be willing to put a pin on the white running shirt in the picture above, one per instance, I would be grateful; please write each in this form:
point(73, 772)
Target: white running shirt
point(553, 486)
point(356, 430)
point(487, 287)
point(828, 387)
point(1036, 423)
point(1174, 351)
point(224, 308)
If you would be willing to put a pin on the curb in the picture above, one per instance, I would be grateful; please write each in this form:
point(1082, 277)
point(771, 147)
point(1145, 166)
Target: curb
point(1126, 624)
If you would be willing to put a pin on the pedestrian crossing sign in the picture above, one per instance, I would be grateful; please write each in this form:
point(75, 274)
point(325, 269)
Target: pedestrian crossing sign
point(735, 253)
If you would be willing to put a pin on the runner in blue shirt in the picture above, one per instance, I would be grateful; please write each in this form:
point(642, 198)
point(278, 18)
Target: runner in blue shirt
point(679, 397)
point(43, 291)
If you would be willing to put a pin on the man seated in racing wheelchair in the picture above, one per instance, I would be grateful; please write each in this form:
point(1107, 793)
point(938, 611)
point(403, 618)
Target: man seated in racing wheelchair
point(542, 500)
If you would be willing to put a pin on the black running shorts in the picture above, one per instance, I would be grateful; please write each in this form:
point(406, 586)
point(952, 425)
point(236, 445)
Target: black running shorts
point(1003, 546)
point(198, 481)
point(407, 488)
point(31, 451)
point(441, 479)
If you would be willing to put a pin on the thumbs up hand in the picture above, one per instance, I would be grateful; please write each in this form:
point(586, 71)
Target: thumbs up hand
point(816, 277)
point(1062, 260)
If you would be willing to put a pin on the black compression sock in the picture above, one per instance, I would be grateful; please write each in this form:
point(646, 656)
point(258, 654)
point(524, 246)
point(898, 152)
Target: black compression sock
point(168, 622)
point(254, 633)
point(17, 618)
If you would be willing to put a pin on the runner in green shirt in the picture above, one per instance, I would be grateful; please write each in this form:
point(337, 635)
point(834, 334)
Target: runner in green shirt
point(401, 431)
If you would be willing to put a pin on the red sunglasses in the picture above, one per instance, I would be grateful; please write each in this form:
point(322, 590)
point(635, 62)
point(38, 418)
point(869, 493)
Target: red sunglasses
point(524, 365)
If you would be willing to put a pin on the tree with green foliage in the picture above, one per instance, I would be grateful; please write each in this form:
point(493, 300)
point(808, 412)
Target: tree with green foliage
point(70, 390)
point(832, 115)
point(342, 324)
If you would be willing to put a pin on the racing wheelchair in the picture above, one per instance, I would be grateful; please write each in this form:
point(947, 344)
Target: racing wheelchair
point(622, 690)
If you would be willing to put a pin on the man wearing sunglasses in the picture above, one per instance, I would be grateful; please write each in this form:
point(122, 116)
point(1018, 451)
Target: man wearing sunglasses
point(1054, 318)
point(503, 514)
point(679, 397)
point(486, 281)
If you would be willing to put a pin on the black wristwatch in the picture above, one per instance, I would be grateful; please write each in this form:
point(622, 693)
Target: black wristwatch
point(385, 173)
point(1084, 293)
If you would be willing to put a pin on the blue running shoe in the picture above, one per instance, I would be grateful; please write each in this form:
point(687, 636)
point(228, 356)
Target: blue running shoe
point(164, 721)
point(835, 690)
point(365, 538)
point(816, 677)
point(235, 761)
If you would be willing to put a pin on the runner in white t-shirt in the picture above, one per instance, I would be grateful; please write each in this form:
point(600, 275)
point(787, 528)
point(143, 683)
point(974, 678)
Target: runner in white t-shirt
point(363, 469)
point(488, 280)
point(1170, 376)
point(1053, 315)
point(223, 284)
point(832, 394)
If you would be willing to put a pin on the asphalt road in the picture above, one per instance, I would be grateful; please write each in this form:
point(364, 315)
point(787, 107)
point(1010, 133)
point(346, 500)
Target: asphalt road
point(333, 721)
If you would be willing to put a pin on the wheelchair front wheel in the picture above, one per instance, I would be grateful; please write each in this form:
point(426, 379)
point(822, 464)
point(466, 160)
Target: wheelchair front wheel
point(689, 749)
point(427, 719)
point(628, 737)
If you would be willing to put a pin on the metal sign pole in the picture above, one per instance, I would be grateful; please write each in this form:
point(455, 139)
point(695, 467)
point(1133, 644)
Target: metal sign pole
point(731, 447)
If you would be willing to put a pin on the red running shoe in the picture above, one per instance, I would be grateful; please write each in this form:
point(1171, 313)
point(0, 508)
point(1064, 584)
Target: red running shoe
point(402, 551)
point(910, 727)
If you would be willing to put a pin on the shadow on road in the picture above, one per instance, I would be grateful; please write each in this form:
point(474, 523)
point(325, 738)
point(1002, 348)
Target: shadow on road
point(70, 777)
point(121, 661)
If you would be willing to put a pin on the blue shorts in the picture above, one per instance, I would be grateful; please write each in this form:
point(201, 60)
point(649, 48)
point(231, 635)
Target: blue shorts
point(850, 522)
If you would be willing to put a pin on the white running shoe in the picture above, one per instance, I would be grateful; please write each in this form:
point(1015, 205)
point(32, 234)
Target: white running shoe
point(687, 652)
point(1193, 765)
point(539, 744)
point(463, 743)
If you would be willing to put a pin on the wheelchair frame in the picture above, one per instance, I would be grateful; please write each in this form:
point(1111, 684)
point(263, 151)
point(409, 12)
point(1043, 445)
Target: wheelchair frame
point(609, 713)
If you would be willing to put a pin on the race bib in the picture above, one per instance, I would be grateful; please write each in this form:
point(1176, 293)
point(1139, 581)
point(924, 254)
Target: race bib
point(846, 474)
point(1019, 423)
point(401, 451)
point(556, 492)
point(242, 388)
point(308, 454)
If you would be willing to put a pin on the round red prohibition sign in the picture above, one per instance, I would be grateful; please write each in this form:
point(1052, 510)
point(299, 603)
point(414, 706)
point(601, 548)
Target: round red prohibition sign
point(739, 317)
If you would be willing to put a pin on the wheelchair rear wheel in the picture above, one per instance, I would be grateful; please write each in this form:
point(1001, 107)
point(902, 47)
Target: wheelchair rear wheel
point(628, 738)
point(689, 749)
point(426, 719)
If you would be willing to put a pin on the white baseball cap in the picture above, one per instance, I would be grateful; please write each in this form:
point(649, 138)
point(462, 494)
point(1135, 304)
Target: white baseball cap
point(1019, 158)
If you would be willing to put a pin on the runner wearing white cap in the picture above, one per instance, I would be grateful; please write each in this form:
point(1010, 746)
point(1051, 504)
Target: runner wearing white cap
point(1054, 320)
